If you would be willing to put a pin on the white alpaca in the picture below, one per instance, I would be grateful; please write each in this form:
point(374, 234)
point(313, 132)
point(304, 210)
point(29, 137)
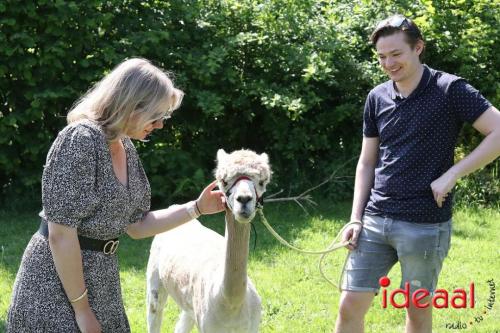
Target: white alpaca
point(205, 273)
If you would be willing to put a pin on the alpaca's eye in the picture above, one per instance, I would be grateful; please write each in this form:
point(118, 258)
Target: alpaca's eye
point(224, 183)
point(261, 183)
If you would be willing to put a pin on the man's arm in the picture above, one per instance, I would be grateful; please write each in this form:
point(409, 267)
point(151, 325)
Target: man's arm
point(487, 151)
point(365, 174)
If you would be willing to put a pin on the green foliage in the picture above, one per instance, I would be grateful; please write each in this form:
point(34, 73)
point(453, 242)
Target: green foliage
point(480, 189)
point(288, 77)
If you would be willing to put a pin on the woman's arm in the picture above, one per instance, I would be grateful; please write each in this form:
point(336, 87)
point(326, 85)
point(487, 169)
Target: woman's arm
point(65, 248)
point(159, 221)
point(155, 222)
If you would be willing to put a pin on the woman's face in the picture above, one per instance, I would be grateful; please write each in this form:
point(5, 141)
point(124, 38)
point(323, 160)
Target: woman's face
point(145, 131)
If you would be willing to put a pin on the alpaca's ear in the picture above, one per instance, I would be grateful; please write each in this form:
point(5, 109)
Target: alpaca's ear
point(264, 158)
point(220, 171)
point(221, 155)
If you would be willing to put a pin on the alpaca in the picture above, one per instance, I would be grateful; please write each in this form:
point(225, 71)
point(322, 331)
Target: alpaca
point(205, 273)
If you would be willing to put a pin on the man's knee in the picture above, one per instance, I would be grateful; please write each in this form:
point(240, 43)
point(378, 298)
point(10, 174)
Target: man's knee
point(354, 305)
point(419, 319)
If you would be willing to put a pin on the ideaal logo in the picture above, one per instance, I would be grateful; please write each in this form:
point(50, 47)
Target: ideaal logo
point(460, 298)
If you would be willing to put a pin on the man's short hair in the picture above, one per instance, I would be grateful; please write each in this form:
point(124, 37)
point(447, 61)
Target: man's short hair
point(394, 24)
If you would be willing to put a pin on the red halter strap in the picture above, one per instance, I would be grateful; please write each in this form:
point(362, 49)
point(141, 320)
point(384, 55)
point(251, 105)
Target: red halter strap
point(245, 178)
point(241, 178)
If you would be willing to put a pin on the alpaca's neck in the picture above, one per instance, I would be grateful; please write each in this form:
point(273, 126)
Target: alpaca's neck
point(235, 270)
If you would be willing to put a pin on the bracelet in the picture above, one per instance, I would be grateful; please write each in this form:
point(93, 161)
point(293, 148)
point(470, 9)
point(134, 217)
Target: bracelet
point(197, 208)
point(191, 209)
point(80, 297)
point(355, 221)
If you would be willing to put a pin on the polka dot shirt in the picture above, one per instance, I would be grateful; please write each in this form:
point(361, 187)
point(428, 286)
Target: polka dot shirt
point(417, 137)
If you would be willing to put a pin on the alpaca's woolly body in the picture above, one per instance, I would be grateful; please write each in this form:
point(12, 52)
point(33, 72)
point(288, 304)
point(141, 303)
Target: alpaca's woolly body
point(189, 262)
point(193, 278)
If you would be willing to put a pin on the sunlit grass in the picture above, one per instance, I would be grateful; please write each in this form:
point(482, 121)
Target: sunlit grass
point(295, 298)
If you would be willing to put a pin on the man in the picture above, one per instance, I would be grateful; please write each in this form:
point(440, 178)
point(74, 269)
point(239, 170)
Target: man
point(405, 174)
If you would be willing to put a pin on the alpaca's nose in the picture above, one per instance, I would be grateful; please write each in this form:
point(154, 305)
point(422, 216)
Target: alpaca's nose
point(243, 199)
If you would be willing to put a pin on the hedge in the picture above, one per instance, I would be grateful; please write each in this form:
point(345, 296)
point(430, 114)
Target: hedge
point(288, 77)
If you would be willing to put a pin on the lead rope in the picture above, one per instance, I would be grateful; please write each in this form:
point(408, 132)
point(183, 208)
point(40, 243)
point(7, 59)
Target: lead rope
point(332, 247)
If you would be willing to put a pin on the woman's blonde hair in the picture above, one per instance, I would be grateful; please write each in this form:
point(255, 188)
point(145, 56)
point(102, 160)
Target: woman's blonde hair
point(134, 88)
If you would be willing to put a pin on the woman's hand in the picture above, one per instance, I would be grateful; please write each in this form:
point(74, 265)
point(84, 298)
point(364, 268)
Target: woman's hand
point(210, 201)
point(86, 320)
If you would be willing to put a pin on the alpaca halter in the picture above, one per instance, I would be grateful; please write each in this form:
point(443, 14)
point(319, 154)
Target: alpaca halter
point(258, 201)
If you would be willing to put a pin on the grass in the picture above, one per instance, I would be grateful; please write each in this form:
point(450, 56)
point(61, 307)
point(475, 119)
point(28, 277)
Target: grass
point(295, 298)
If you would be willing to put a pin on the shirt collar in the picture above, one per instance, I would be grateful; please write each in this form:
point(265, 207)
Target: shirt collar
point(424, 81)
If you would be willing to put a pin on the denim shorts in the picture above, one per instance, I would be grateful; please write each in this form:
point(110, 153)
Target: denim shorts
point(420, 249)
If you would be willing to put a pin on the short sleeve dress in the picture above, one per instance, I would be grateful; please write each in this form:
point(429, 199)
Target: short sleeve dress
point(80, 190)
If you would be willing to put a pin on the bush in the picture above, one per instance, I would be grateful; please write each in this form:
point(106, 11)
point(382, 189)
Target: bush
point(480, 189)
point(288, 77)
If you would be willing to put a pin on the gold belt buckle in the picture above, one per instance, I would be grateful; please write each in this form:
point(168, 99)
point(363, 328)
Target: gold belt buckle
point(110, 247)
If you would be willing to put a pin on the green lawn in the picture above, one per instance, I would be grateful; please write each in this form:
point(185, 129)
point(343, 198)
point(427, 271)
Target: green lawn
point(295, 298)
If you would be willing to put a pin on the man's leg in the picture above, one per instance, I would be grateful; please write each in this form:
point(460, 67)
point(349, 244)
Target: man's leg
point(421, 247)
point(371, 259)
point(419, 320)
point(352, 310)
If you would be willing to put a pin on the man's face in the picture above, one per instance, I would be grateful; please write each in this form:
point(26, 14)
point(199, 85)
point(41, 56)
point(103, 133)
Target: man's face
point(398, 59)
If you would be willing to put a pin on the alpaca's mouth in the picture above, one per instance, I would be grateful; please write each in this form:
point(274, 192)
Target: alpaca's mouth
point(244, 216)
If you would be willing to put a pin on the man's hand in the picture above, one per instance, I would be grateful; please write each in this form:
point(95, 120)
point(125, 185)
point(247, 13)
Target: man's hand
point(351, 234)
point(442, 186)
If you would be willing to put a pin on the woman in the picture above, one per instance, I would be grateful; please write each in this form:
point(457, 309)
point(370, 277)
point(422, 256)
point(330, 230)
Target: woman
point(93, 190)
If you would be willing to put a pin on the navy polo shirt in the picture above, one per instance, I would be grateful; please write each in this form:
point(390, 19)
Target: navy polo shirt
point(417, 137)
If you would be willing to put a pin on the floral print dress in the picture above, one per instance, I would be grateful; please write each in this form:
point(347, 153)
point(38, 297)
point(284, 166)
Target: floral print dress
point(79, 190)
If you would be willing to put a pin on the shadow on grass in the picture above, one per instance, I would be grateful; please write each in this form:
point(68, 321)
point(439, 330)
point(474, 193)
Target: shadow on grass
point(16, 230)
point(467, 233)
point(473, 223)
point(286, 218)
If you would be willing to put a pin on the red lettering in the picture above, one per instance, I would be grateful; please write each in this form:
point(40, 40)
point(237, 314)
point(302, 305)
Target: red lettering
point(472, 295)
point(405, 292)
point(420, 297)
point(440, 294)
point(384, 281)
point(384, 298)
point(460, 294)
point(416, 298)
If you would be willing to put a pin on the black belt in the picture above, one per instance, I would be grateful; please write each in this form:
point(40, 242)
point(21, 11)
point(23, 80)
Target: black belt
point(107, 246)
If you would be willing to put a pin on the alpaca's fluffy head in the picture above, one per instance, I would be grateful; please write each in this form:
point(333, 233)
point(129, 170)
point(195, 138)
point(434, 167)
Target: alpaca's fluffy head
point(243, 193)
